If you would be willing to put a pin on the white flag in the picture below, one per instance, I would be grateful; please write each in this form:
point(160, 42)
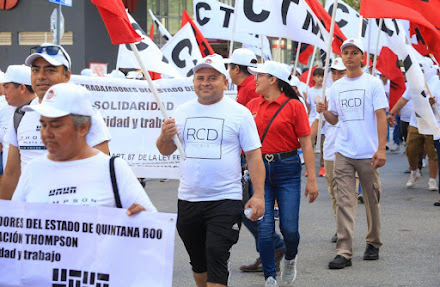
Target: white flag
point(182, 51)
point(150, 53)
point(162, 30)
point(398, 43)
point(292, 20)
point(215, 21)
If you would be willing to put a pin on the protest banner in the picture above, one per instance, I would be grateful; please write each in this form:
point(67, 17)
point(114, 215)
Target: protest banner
point(64, 245)
point(215, 20)
point(130, 111)
point(182, 51)
point(292, 20)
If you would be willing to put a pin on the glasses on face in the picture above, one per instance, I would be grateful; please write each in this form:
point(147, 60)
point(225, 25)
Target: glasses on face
point(50, 50)
point(261, 74)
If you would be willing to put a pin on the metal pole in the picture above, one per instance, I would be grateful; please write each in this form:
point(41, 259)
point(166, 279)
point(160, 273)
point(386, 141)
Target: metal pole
point(298, 50)
point(377, 47)
point(58, 38)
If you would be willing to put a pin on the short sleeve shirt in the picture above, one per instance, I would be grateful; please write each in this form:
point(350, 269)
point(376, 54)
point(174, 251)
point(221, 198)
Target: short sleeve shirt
point(288, 126)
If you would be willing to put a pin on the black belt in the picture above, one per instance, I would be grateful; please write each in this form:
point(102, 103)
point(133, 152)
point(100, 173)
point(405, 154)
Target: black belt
point(269, 157)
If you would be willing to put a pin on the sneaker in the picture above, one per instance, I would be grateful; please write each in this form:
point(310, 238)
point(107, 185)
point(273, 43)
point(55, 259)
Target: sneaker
point(271, 282)
point(424, 162)
point(322, 171)
point(413, 177)
point(339, 262)
point(407, 171)
point(361, 199)
point(371, 252)
point(432, 184)
point(393, 146)
point(335, 238)
point(437, 203)
point(288, 274)
point(276, 213)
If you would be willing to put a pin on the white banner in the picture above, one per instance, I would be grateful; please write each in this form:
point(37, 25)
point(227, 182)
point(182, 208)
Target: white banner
point(135, 121)
point(63, 245)
point(215, 21)
point(348, 20)
point(162, 30)
point(182, 51)
point(292, 20)
point(149, 52)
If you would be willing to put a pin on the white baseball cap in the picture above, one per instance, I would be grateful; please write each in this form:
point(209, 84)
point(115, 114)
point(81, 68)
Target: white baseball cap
point(55, 54)
point(294, 81)
point(62, 100)
point(353, 42)
point(337, 64)
point(243, 57)
point(214, 61)
point(19, 74)
point(273, 68)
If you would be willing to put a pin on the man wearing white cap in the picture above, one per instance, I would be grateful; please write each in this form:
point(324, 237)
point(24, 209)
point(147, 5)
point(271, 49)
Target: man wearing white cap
point(213, 129)
point(239, 61)
point(58, 177)
point(50, 65)
point(18, 92)
point(357, 103)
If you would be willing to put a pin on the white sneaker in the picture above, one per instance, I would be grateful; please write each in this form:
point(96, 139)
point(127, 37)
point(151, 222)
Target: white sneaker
point(271, 282)
point(288, 274)
point(432, 184)
point(393, 146)
point(424, 162)
point(413, 177)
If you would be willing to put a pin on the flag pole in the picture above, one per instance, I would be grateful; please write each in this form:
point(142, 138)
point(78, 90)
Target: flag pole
point(298, 50)
point(311, 66)
point(278, 50)
point(156, 96)
point(231, 43)
point(368, 44)
point(377, 47)
point(261, 47)
point(326, 70)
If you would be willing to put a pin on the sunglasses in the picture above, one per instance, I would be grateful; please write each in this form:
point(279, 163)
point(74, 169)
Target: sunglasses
point(50, 50)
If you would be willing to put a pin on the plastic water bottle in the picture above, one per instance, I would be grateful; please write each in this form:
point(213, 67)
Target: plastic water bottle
point(301, 156)
point(248, 212)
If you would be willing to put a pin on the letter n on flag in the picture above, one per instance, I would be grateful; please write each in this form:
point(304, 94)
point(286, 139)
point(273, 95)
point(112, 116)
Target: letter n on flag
point(204, 46)
point(116, 21)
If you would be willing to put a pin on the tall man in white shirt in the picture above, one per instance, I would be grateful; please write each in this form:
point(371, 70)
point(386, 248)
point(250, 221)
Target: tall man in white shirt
point(213, 129)
point(358, 103)
point(50, 65)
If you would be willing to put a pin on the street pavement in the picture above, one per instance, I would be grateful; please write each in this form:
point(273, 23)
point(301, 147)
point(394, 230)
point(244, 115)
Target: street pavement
point(410, 255)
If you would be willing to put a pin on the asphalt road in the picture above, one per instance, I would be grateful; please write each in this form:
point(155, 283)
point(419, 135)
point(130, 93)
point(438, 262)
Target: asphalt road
point(410, 255)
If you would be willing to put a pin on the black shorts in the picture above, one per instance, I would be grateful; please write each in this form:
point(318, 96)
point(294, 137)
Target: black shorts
point(209, 229)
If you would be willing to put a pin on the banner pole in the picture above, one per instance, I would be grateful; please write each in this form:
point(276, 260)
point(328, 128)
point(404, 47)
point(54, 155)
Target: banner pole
point(377, 47)
point(261, 47)
point(310, 67)
point(231, 43)
point(361, 22)
point(326, 70)
point(368, 44)
point(156, 96)
point(298, 50)
point(278, 54)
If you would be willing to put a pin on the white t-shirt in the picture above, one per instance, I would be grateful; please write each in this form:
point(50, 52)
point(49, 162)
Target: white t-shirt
point(313, 96)
point(355, 101)
point(6, 112)
point(29, 138)
point(407, 96)
point(80, 182)
point(407, 110)
point(330, 132)
point(213, 137)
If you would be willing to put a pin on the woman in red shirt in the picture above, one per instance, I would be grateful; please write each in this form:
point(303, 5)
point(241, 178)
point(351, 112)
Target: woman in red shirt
point(289, 130)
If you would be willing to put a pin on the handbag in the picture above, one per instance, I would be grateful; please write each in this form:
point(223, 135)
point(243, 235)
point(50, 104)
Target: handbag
point(246, 179)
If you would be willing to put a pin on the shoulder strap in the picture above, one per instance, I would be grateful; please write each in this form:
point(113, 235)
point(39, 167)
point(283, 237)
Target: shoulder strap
point(114, 183)
point(18, 115)
point(268, 125)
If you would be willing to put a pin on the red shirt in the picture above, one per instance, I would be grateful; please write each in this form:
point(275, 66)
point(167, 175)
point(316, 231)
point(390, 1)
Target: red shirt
point(246, 91)
point(290, 124)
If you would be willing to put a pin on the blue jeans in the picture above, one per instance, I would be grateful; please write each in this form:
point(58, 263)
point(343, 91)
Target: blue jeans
point(283, 183)
point(397, 136)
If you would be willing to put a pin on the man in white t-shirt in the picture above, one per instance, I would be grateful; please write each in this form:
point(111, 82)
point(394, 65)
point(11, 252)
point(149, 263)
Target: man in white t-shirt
point(73, 172)
point(357, 104)
point(18, 92)
point(50, 65)
point(213, 129)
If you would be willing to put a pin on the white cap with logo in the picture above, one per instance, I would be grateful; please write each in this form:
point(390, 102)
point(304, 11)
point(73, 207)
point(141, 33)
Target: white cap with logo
point(64, 99)
point(56, 55)
point(19, 74)
point(214, 61)
point(278, 70)
point(353, 42)
point(243, 57)
point(337, 64)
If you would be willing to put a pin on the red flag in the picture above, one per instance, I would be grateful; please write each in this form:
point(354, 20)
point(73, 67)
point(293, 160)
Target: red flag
point(116, 21)
point(326, 20)
point(424, 13)
point(152, 32)
point(304, 77)
point(305, 52)
point(388, 64)
point(204, 46)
